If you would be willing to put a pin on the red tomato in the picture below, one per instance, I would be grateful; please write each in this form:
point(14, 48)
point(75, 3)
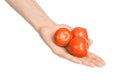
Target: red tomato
point(62, 37)
point(79, 31)
point(78, 47)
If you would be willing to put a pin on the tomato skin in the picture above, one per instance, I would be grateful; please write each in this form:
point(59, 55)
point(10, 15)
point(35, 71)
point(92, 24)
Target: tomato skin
point(81, 32)
point(78, 47)
point(62, 37)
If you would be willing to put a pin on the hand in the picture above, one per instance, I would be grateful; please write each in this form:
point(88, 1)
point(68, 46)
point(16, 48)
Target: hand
point(47, 34)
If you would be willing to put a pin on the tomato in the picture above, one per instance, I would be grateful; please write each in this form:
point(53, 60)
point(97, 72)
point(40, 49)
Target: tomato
point(62, 37)
point(78, 47)
point(79, 31)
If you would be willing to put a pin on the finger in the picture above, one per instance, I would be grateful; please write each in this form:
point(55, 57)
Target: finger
point(91, 55)
point(84, 61)
point(97, 63)
point(72, 58)
point(90, 41)
point(96, 59)
point(87, 61)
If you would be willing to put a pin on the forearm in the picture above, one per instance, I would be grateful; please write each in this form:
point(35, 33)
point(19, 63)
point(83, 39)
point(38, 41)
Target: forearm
point(31, 12)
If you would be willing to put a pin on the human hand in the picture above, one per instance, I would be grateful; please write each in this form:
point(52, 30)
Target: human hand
point(47, 34)
point(46, 29)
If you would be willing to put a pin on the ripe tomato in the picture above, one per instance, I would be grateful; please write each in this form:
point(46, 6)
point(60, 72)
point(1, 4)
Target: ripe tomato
point(62, 36)
point(78, 47)
point(79, 31)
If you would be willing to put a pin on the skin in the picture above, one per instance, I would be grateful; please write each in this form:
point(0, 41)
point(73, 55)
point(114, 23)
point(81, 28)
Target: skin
point(35, 15)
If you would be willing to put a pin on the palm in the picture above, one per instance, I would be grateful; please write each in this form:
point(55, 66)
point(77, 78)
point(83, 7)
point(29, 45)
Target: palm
point(47, 35)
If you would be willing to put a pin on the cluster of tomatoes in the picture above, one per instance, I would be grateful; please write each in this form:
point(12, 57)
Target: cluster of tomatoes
point(76, 40)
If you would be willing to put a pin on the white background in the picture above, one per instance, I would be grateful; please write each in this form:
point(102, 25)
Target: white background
point(24, 56)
